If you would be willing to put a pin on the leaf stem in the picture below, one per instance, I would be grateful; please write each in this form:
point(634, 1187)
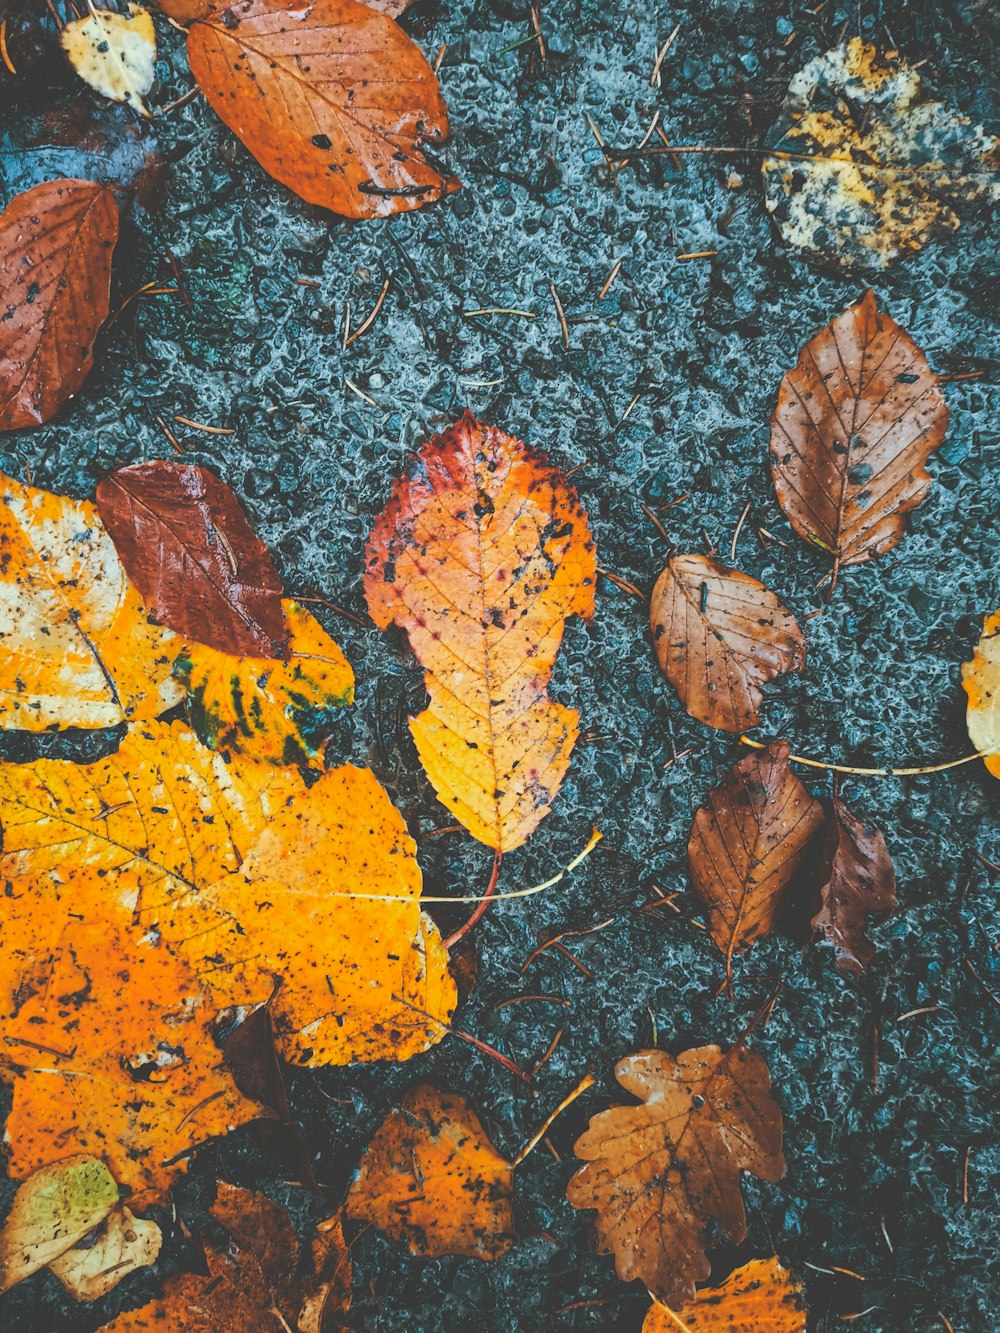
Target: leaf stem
point(871, 772)
point(484, 903)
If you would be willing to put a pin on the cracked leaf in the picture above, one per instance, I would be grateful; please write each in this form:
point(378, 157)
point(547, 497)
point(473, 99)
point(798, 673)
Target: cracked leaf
point(482, 554)
point(981, 679)
point(761, 1297)
point(115, 54)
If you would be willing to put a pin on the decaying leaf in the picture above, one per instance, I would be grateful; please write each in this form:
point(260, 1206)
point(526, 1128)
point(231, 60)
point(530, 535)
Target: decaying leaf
point(874, 167)
point(267, 709)
point(747, 844)
point(56, 242)
point(431, 1177)
point(719, 635)
point(761, 1297)
point(855, 423)
point(855, 878)
point(188, 548)
point(114, 53)
point(332, 99)
point(55, 1207)
point(125, 1243)
point(327, 1295)
point(77, 646)
point(482, 554)
point(659, 1172)
point(981, 678)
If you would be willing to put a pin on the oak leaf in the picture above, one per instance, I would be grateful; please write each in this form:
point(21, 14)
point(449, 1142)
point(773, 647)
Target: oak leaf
point(854, 879)
point(56, 242)
point(431, 1177)
point(77, 646)
point(482, 554)
point(981, 679)
point(659, 1172)
point(332, 98)
point(114, 53)
point(761, 1297)
point(719, 635)
point(267, 709)
point(125, 1242)
point(855, 423)
point(747, 844)
point(188, 548)
point(867, 167)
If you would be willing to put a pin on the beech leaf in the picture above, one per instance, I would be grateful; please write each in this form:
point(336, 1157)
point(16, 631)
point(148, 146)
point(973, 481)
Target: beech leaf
point(332, 98)
point(854, 878)
point(658, 1173)
point(188, 548)
point(56, 243)
point(761, 1297)
point(114, 53)
point(981, 679)
point(482, 554)
point(855, 423)
point(719, 635)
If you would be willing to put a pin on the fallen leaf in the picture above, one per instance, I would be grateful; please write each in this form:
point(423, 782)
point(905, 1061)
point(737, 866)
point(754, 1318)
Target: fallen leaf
point(875, 168)
point(126, 1242)
point(260, 1227)
point(55, 1207)
point(270, 710)
point(760, 1297)
point(232, 1298)
point(482, 554)
point(981, 679)
point(747, 844)
point(658, 1173)
point(327, 1295)
point(188, 548)
point(184, 11)
point(77, 646)
point(332, 99)
point(115, 54)
point(854, 878)
point(56, 242)
point(719, 635)
point(431, 1177)
point(854, 425)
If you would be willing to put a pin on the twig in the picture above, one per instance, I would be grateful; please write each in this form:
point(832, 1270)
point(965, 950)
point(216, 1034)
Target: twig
point(736, 534)
point(200, 425)
point(560, 314)
point(610, 279)
point(366, 324)
point(619, 582)
point(654, 78)
point(482, 1046)
point(484, 903)
point(586, 1082)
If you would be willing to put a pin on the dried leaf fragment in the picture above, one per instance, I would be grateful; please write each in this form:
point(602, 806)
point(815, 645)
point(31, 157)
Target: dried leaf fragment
point(188, 548)
point(55, 1207)
point(125, 1243)
point(332, 98)
point(855, 878)
point(657, 1173)
point(855, 423)
point(482, 554)
point(114, 53)
point(875, 168)
point(981, 679)
point(747, 843)
point(431, 1177)
point(56, 243)
point(761, 1297)
point(719, 635)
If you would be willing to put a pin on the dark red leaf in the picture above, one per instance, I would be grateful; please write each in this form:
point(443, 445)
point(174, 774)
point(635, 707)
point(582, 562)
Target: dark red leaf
point(188, 548)
point(855, 878)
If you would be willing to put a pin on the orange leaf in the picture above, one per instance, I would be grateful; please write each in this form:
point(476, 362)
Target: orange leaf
point(657, 1173)
point(760, 1297)
point(854, 425)
point(56, 242)
point(719, 635)
point(431, 1177)
point(332, 99)
point(981, 678)
point(77, 646)
point(482, 554)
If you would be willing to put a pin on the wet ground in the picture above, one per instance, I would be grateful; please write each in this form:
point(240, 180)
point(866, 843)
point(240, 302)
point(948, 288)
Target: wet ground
point(665, 392)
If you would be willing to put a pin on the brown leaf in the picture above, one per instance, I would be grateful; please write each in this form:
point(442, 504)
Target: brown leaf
point(855, 422)
point(431, 1177)
point(658, 1173)
point(332, 99)
point(327, 1294)
point(747, 843)
point(260, 1227)
point(855, 878)
point(719, 635)
point(187, 546)
point(56, 242)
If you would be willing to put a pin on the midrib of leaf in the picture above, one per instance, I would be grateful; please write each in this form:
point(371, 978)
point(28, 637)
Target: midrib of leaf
point(487, 672)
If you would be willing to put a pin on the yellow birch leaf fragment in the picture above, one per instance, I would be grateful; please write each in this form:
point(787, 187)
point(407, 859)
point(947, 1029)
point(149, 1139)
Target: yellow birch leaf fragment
point(431, 1177)
point(981, 678)
point(55, 1207)
point(77, 646)
point(125, 1243)
point(115, 54)
point(760, 1297)
point(277, 712)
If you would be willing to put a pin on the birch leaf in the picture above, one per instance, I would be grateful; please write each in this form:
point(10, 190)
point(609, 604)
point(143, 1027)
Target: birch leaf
point(114, 53)
point(125, 1243)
